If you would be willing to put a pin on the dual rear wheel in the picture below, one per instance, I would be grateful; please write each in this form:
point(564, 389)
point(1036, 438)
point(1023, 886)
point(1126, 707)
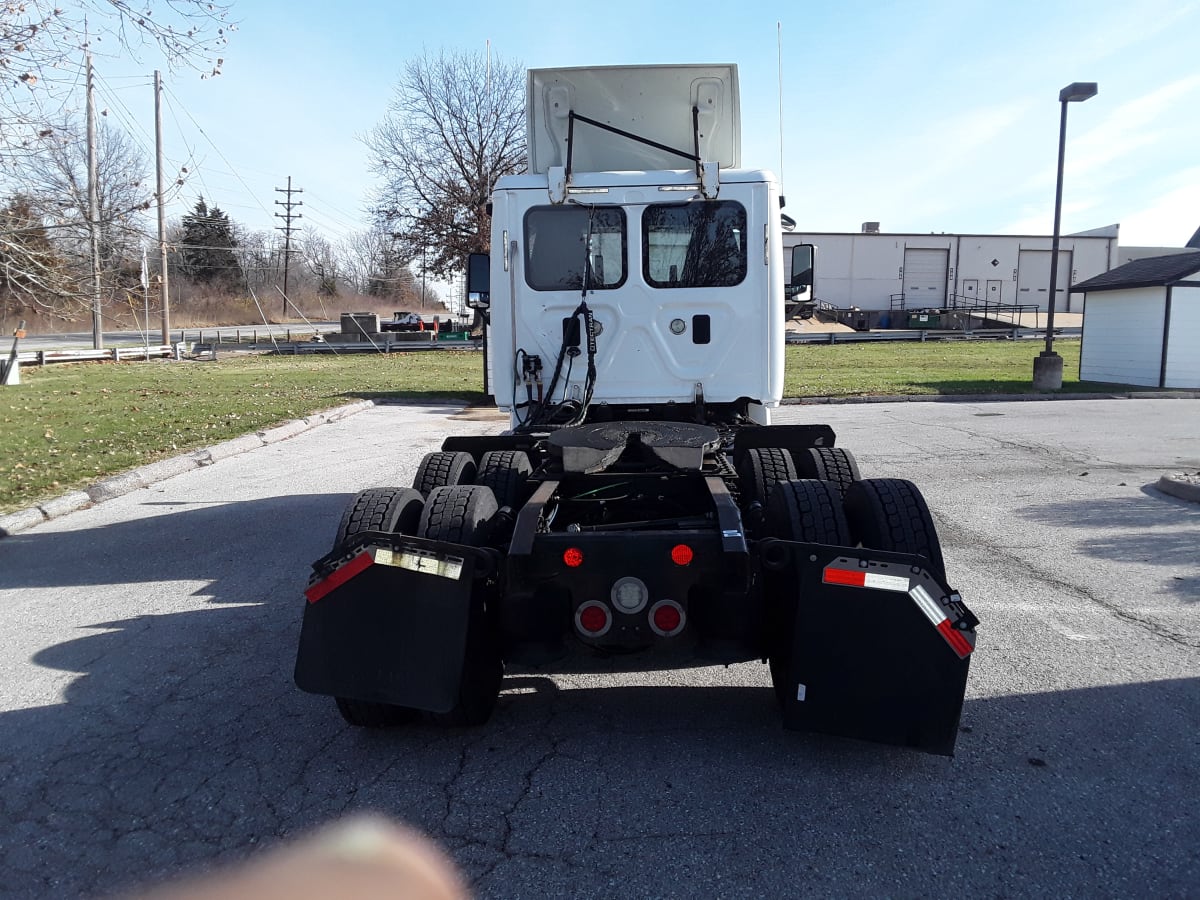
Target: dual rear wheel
point(460, 514)
point(886, 514)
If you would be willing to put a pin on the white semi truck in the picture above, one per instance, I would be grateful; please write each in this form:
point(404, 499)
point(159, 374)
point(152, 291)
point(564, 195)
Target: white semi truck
point(641, 507)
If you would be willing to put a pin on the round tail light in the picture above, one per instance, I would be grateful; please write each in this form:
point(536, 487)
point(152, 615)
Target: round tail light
point(593, 618)
point(667, 618)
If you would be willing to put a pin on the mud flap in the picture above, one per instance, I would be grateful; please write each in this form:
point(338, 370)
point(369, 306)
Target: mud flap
point(872, 645)
point(387, 621)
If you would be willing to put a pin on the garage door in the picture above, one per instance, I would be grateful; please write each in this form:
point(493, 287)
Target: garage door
point(925, 274)
point(1033, 278)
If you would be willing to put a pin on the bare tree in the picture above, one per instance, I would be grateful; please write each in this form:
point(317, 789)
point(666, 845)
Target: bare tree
point(34, 278)
point(322, 260)
point(375, 263)
point(42, 47)
point(56, 179)
point(455, 125)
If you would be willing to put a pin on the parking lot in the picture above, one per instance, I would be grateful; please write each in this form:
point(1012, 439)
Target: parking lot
point(150, 724)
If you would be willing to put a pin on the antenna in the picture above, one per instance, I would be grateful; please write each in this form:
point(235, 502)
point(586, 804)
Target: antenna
point(779, 54)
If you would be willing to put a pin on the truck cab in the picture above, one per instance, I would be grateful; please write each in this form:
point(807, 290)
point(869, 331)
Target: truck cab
point(679, 271)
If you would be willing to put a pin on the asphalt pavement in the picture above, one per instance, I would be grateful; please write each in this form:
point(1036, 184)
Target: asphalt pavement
point(150, 725)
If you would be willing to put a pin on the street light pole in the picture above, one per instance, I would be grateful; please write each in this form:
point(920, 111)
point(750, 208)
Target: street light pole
point(1048, 365)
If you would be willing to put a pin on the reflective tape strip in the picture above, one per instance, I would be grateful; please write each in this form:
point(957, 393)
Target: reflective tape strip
point(339, 577)
point(426, 563)
point(928, 605)
point(956, 639)
point(863, 578)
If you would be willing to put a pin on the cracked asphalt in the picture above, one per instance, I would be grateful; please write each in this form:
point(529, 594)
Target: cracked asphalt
point(149, 724)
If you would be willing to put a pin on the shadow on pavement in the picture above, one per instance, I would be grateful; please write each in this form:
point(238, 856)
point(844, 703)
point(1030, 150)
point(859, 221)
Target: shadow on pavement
point(1150, 528)
point(183, 742)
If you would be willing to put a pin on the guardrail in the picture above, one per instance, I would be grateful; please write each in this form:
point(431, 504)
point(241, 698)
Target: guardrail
point(976, 334)
point(116, 354)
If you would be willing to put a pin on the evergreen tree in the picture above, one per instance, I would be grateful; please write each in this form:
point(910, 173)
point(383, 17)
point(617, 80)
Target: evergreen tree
point(208, 247)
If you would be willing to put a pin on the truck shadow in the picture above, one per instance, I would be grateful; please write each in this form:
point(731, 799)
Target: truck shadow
point(180, 740)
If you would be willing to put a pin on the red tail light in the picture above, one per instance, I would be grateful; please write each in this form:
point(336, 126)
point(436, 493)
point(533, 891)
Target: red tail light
point(681, 554)
point(666, 618)
point(593, 618)
point(573, 557)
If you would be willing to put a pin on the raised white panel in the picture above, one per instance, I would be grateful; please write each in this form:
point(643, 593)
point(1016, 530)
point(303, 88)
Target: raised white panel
point(653, 102)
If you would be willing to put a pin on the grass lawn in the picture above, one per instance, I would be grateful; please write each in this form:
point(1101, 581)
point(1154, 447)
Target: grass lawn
point(69, 425)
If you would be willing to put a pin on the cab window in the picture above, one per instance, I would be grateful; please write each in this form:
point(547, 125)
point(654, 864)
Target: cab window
point(690, 245)
point(566, 246)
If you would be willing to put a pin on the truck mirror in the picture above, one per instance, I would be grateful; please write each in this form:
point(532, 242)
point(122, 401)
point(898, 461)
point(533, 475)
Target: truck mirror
point(478, 281)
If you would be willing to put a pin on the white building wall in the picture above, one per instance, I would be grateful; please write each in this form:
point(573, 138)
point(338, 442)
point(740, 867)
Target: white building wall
point(865, 270)
point(1122, 336)
point(1183, 349)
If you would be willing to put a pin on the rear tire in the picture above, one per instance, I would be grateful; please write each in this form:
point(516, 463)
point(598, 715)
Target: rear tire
point(831, 464)
point(390, 510)
point(890, 514)
point(809, 511)
point(463, 514)
point(760, 470)
point(507, 473)
point(393, 511)
point(443, 468)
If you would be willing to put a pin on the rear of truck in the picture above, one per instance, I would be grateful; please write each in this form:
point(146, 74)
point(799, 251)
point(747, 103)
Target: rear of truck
point(641, 508)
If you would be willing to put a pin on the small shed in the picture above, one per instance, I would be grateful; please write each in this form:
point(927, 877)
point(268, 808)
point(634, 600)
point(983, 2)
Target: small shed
point(1141, 323)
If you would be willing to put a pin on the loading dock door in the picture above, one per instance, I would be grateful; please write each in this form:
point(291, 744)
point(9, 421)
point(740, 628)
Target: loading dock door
point(925, 273)
point(1033, 278)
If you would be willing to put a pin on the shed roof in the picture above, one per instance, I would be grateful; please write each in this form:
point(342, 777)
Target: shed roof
point(1152, 271)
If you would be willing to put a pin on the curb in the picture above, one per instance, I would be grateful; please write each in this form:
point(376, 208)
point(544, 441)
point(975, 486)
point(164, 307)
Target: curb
point(152, 473)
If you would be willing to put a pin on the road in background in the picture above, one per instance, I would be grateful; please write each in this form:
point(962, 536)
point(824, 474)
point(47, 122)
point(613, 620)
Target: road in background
point(150, 724)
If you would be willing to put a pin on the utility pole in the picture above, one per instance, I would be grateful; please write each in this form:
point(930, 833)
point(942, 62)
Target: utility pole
point(93, 209)
point(164, 296)
point(287, 228)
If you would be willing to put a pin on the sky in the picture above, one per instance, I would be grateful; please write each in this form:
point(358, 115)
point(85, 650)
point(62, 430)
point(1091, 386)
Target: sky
point(926, 116)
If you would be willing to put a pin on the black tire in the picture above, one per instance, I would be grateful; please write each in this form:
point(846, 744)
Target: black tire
point(507, 473)
point(365, 714)
point(463, 514)
point(890, 514)
point(810, 511)
point(760, 470)
point(829, 464)
point(394, 511)
point(391, 510)
point(443, 468)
